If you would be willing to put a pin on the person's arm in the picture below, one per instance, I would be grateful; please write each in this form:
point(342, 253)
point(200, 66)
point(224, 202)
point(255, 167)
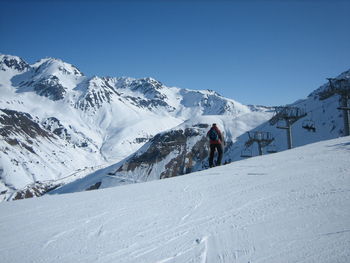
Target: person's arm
point(219, 134)
point(223, 138)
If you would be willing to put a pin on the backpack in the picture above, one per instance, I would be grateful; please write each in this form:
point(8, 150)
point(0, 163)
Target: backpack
point(213, 135)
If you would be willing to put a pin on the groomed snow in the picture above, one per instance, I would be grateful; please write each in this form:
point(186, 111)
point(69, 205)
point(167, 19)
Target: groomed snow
point(291, 206)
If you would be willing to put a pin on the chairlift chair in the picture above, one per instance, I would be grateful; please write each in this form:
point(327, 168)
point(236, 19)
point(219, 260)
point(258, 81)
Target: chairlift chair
point(309, 125)
point(281, 124)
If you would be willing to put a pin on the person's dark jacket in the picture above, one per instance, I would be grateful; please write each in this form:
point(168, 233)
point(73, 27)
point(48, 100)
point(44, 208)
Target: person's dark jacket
point(219, 141)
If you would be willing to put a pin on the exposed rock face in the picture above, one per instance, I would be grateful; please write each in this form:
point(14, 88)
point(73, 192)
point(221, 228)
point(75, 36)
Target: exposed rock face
point(13, 62)
point(97, 93)
point(145, 93)
point(187, 149)
point(184, 163)
point(142, 139)
point(15, 123)
point(149, 103)
point(161, 146)
point(24, 134)
point(94, 187)
point(149, 87)
point(54, 125)
point(35, 190)
point(68, 134)
point(50, 87)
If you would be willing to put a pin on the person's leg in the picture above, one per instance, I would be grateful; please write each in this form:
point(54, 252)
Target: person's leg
point(220, 152)
point(211, 155)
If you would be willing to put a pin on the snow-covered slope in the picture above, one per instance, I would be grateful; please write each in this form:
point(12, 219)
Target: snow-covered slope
point(88, 122)
point(291, 206)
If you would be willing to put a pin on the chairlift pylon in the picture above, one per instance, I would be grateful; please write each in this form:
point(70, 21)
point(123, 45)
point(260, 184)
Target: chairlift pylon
point(246, 153)
point(271, 148)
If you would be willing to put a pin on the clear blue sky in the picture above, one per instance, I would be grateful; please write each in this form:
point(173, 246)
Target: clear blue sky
point(256, 52)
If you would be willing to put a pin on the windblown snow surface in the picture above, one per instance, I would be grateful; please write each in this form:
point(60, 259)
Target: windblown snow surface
point(291, 206)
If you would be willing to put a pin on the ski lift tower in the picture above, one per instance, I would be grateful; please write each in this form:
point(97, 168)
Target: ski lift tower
point(341, 87)
point(289, 115)
point(263, 139)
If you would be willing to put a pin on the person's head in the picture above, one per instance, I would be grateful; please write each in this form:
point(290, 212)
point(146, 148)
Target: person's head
point(214, 124)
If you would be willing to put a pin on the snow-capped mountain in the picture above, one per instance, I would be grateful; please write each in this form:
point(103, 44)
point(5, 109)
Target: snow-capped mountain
point(58, 125)
point(184, 149)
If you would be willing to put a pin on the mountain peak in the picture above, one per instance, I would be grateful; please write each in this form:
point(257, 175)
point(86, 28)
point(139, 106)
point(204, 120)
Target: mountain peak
point(96, 82)
point(155, 83)
point(53, 66)
point(212, 92)
point(13, 62)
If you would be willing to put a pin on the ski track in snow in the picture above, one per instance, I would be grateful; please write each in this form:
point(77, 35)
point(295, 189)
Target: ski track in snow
point(287, 207)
